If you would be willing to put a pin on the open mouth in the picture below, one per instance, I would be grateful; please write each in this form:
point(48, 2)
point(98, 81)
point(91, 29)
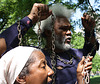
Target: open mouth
point(68, 40)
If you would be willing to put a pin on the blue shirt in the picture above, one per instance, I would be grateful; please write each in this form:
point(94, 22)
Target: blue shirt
point(67, 75)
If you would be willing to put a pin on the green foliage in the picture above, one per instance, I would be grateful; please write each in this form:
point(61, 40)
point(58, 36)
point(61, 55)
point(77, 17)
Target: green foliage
point(95, 80)
point(77, 40)
point(96, 63)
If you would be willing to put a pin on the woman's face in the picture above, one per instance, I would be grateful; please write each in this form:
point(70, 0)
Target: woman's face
point(39, 72)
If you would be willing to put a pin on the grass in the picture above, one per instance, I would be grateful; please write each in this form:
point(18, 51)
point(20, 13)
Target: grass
point(95, 80)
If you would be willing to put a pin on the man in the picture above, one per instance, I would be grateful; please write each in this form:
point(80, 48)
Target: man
point(67, 58)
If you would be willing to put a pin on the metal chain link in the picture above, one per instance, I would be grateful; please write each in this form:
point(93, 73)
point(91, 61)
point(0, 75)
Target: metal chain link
point(53, 55)
point(39, 35)
point(19, 33)
point(86, 77)
point(62, 60)
point(39, 30)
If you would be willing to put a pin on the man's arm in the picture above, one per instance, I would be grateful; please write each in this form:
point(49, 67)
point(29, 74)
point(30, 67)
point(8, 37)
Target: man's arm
point(9, 38)
point(90, 41)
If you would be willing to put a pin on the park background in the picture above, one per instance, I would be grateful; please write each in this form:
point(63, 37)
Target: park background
point(13, 10)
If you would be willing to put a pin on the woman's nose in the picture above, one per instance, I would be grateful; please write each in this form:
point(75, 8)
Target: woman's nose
point(50, 71)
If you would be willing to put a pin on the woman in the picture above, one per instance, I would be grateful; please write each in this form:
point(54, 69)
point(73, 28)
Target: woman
point(24, 65)
point(27, 65)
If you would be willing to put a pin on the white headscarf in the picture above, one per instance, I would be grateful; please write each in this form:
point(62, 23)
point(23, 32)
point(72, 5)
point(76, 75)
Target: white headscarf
point(13, 62)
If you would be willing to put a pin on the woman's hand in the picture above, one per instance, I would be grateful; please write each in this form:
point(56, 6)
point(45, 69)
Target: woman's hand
point(83, 66)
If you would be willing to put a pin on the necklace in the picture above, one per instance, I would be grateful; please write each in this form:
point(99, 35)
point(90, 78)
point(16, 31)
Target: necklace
point(71, 59)
point(62, 60)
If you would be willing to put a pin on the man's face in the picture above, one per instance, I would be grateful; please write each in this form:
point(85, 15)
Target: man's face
point(63, 33)
point(39, 72)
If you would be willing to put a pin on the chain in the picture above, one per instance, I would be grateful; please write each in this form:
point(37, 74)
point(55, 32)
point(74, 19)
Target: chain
point(71, 58)
point(19, 33)
point(62, 60)
point(86, 77)
point(53, 55)
point(39, 30)
point(39, 35)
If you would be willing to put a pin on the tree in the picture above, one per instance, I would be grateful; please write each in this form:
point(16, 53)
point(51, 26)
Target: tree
point(13, 10)
point(77, 40)
point(96, 63)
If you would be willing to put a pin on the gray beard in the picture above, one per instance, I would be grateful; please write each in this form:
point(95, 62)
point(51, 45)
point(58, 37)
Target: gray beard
point(62, 45)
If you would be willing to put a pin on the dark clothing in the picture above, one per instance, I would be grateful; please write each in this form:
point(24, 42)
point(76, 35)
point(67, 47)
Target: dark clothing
point(66, 75)
point(11, 34)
